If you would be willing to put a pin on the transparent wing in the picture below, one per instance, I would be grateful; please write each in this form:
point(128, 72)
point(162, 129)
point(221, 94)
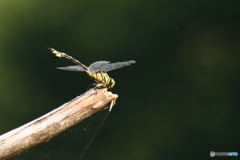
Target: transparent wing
point(71, 68)
point(96, 66)
point(99, 66)
point(112, 66)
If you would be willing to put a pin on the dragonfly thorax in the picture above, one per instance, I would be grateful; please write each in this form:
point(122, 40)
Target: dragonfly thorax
point(102, 79)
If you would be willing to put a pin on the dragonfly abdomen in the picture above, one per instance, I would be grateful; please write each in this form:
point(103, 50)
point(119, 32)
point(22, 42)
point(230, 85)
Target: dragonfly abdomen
point(102, 78)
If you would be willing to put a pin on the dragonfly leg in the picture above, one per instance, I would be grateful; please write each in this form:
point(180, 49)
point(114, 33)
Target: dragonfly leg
point(99, 85)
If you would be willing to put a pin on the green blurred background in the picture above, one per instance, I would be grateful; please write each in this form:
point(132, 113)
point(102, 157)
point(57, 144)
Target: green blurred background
point(179, 101)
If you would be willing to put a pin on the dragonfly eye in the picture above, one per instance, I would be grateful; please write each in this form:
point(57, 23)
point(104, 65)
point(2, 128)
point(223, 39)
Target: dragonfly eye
point(111, 84)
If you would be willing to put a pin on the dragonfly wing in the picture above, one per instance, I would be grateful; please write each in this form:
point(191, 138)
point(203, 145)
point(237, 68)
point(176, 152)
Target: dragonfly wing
point(112, 66)
point(71, 68)
point(96, 66)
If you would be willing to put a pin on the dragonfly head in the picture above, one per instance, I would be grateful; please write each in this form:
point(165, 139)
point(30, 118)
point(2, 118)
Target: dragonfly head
point(111, 83)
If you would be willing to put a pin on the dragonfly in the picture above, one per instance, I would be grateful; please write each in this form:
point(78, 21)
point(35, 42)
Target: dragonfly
point(97, 70)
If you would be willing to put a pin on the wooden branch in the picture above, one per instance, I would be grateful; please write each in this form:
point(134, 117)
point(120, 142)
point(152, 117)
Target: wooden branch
point(54, 122)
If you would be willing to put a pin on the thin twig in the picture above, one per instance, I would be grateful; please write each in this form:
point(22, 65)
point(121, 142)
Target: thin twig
point(45, 127)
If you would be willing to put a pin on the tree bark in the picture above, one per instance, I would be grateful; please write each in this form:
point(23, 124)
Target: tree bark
point(55, 122)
